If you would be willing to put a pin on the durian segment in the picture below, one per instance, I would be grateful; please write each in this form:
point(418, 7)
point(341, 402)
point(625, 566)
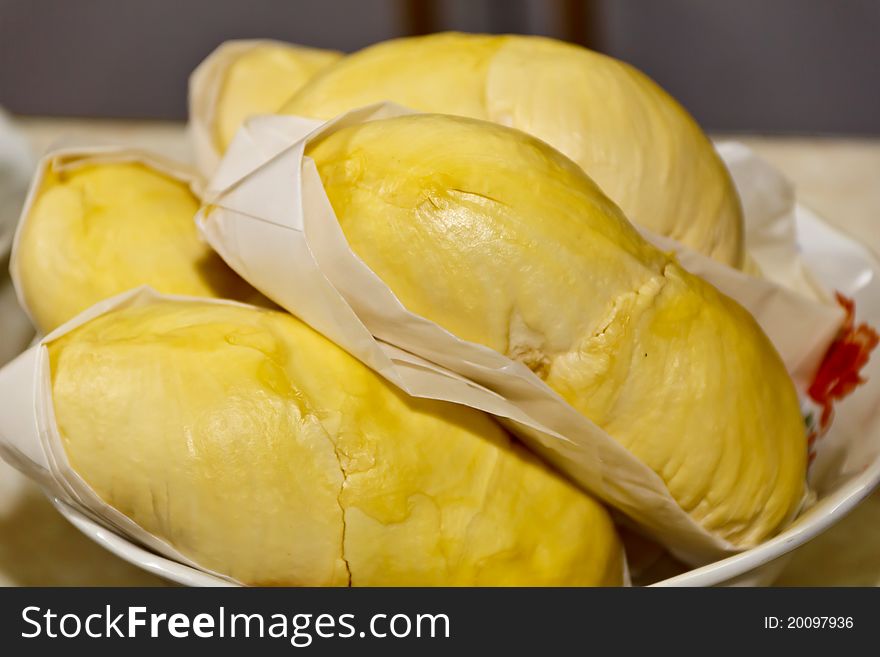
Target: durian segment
point(641, 147)
point(99, 229)
point(261, 450)
point(260, 80)
point(632, 138)
point(498, 238)
point(444, 73)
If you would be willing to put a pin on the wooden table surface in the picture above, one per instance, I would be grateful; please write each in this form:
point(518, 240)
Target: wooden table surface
point(838, 178)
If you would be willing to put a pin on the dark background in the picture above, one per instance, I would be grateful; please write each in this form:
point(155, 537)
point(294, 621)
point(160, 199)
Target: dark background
point(796, 66)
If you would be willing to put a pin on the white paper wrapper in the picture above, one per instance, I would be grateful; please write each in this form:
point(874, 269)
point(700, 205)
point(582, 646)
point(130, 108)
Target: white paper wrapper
point(768, 201)
point(30, 441)
point(66, 159)
point(16, 168)
point(269, 218)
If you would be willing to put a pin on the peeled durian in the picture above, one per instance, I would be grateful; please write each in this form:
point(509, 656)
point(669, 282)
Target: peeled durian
point(260, 450)
point(633, 139)
point(240, 79)
point(260, 80)
point(505, 242)
point(99, 229)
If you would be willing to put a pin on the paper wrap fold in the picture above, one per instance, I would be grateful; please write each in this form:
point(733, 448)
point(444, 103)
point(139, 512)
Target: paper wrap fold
point(268, 216)
point(74, 157)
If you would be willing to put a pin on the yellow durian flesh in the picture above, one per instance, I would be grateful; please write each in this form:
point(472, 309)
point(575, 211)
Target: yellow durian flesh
point(101, 229)
point(259, 80)
point(443, 73)
point(503, 241)
point(261, 450)
point(633, 139)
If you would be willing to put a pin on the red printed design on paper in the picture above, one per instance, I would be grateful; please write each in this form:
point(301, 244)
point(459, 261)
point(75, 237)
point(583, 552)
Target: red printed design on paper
point(840, 371)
